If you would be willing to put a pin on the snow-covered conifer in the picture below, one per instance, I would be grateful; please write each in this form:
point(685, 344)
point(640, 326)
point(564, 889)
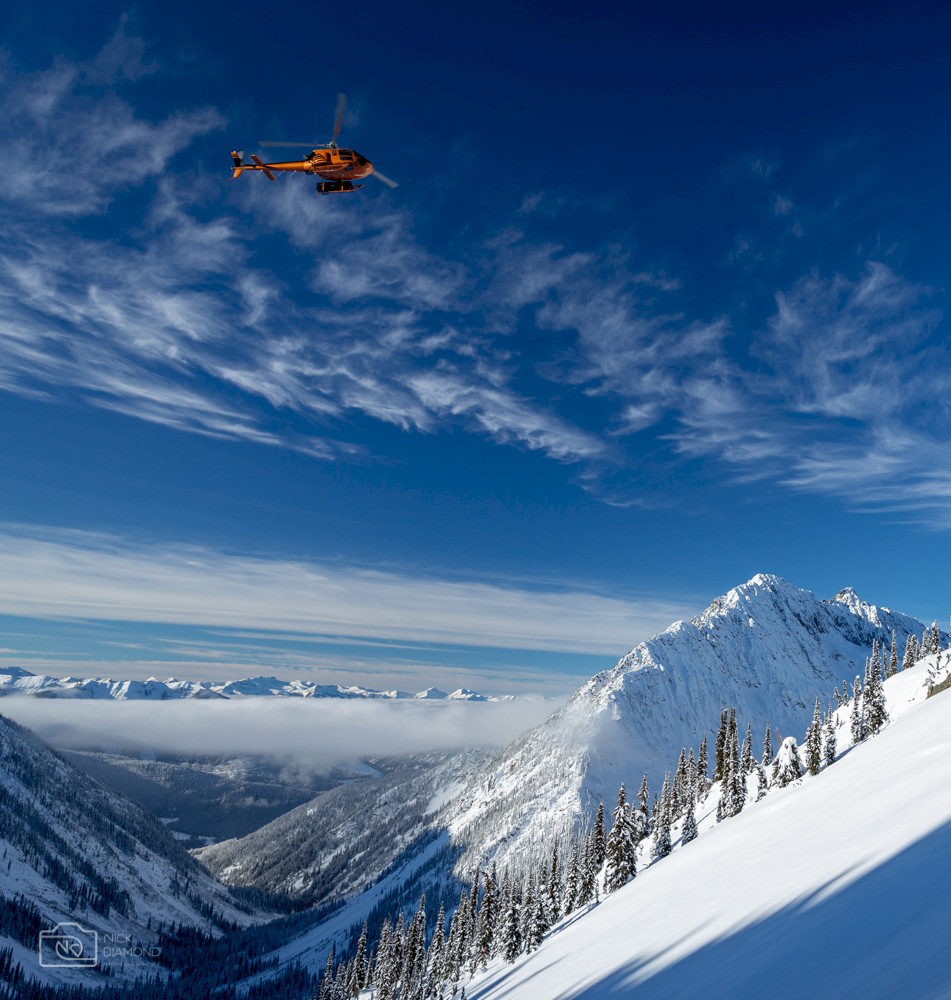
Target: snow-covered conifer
point(360, 974)
point(746, 756)
point(511, 944)
point(790, 764)
point(767, 749)
point(702, 766)
point(553, 899)
point(537, 923)
point(828, 741)
point(876, 713)
point(662, 845)
point(488, 914)
point(643, 794)
point(814, 742)
point(384, 967)
point(761, 785)
point(572, 881)
point(856, 719)
point(678, 790)
point(911, 653)
point(720, 745)
point(689, 831)
point(588, 872)
point(598, 839)
point(621, 851)
point(893, 657)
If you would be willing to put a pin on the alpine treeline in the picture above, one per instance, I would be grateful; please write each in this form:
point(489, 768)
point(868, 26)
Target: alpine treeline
point(507, 913)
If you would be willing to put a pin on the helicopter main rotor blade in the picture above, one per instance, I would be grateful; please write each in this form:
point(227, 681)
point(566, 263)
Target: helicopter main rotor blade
point(338, 117)
point(308, 143)
point(388, 181)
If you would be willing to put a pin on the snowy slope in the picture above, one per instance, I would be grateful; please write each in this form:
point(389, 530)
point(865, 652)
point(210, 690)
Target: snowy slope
point(766, 647)
point(80, 853)
point(835, 886)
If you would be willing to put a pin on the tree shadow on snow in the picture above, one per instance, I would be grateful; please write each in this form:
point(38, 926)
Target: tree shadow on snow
point(884, 935)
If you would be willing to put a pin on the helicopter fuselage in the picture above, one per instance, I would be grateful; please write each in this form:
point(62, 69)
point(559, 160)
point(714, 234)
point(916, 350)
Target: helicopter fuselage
point(331, 164)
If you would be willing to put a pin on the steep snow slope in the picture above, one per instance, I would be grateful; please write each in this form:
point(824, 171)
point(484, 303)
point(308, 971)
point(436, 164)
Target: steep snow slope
point(77, 852)
point(835, 886)
point(766, 647)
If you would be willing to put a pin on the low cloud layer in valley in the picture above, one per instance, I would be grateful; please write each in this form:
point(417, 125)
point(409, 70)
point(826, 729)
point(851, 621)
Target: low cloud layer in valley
point(318, 734)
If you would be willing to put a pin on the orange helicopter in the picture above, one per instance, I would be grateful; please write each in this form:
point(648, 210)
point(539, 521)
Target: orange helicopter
point(338, 167)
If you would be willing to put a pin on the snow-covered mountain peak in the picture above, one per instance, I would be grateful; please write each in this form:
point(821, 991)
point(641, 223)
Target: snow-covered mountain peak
point(766, 647)
point(849, 599)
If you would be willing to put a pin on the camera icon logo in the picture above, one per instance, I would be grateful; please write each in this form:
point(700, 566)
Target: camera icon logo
point(69, 946)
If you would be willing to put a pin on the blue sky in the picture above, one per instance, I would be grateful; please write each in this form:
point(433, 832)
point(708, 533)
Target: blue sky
point(659, 304)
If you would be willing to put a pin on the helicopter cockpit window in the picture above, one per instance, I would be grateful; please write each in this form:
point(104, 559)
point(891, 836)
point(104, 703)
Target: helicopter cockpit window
point(346, 154)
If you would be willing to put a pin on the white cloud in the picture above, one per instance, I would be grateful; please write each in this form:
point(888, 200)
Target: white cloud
point(321, 733)
point(79, 576)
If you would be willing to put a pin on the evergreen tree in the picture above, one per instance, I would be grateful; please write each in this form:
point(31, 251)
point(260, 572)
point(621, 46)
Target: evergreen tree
point(911, 653)
point(689, 831)
point(828, 741)
point(893, 657)
point(598, 841)
point(488, 914)
point(662, 844)
point(436, 963)
point(678, 791)
point(572, 881)
point(587, 872)
point(856, 720)
point(702, 766)
point(643, 795)
point(538, 925)
point(621, 848)
point(935, 638)
point(746, 756)
point(767, 749)
point(414, 954)
point(814, 742)
point(790, 764)
point(876, 711)
point(384, 967)
point(511, 944)
point(554, 887)
point(720, 745)
point(360, 975)
point(761, 785)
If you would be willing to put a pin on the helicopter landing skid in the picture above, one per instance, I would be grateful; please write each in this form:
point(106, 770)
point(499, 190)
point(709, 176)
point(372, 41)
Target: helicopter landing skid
point(337, 187)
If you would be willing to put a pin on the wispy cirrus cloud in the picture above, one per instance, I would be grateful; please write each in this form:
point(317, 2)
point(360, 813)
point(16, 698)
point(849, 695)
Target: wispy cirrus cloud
point(180, 319)
point(78, 575)
point(851, 401)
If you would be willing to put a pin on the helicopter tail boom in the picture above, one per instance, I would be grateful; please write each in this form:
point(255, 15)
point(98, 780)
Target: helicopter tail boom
point(240, 166)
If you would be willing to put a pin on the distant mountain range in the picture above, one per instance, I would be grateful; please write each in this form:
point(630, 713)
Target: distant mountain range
point(16, 680)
